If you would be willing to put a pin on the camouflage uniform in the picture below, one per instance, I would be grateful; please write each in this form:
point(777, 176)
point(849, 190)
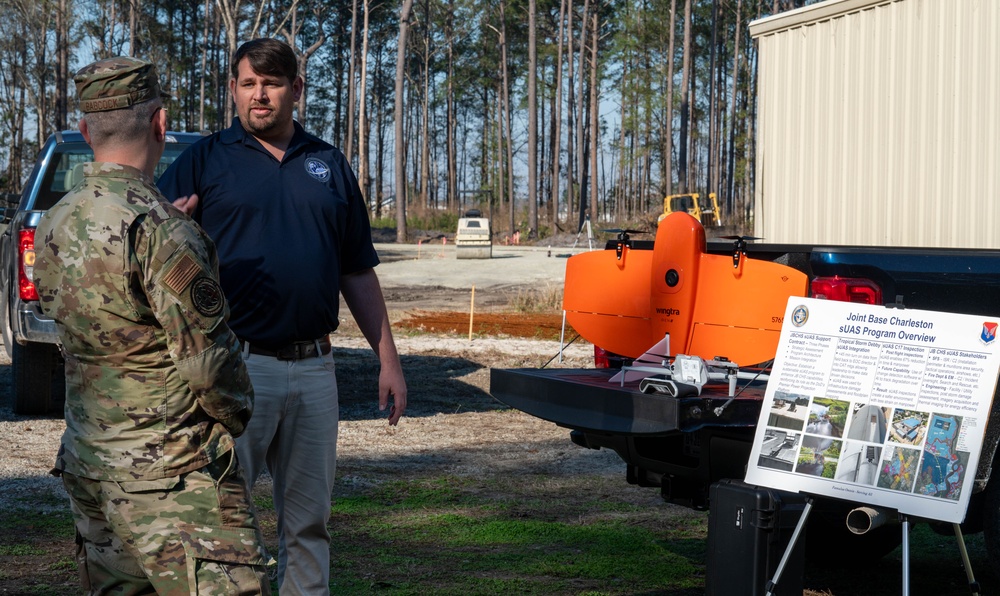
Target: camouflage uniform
point(156, 390)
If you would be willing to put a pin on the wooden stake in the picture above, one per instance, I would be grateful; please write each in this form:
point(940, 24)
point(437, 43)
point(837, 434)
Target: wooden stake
point(472, 310)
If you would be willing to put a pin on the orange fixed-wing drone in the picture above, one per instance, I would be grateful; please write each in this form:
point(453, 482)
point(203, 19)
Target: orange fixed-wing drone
point(627, 300)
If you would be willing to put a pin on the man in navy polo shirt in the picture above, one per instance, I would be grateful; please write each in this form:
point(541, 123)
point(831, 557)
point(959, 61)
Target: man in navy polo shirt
point(292, 232)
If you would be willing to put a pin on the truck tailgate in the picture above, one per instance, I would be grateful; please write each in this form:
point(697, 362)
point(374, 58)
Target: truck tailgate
point(584, 399)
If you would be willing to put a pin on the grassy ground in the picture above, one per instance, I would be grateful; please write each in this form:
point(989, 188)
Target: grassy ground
point(440, 535)
point(534, 518)
point(458, 535)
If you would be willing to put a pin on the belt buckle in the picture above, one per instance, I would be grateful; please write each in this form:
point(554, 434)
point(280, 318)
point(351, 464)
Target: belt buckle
point(285, 353)
point(296, 351)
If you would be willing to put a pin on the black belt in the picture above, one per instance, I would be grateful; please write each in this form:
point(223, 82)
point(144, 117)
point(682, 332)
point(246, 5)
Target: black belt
point(297, 350)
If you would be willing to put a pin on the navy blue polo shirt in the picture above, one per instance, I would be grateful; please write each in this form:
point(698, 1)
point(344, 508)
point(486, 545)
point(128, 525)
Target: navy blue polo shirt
point(285, 231)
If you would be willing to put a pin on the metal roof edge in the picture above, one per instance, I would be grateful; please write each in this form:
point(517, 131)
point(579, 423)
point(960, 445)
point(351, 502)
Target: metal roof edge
point(812, 13)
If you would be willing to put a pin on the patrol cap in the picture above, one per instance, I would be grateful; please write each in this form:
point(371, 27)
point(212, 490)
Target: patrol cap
point(115, 83)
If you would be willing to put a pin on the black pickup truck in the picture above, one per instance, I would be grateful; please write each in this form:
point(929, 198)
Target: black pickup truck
point(676, 445)
point(29, 337)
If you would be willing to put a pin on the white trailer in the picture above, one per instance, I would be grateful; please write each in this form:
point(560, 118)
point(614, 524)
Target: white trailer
point(879, 124)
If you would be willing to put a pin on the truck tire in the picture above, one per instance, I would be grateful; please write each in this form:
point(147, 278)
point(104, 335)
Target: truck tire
point(38, 378)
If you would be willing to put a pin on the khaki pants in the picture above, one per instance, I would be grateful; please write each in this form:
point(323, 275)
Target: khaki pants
point(293, 432)
point(190, 534)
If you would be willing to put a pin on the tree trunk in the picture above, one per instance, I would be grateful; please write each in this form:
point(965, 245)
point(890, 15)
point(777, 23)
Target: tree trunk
point(484, 154)
point(557, 117)
point(532, 125)
point(581, 155)
point(425, 150)
point(693, 156)
point(62, 66)
point(710, 175)
point(291, 34)
point(621, 191)
point(230, 12)
point(731, 151)
point(304, 59)
point(202, 100)
point(133, 9)
point(362, 99)
point(507, 168)
point(380, 130)
point(404, 22)
point(351, 82)
point(668, 145)
point(595, 124)
point(41, 70)
point(498, 169)
point(450, 141)
point(571, 201)
point(682, 154)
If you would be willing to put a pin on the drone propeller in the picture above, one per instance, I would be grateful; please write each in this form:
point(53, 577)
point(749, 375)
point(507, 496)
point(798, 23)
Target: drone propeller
point(623, 231)
point(623, 237)
point(743, 238)
point(739, 246)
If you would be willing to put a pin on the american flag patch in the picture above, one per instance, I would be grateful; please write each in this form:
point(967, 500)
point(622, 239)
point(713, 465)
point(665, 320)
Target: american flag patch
point(181, 274)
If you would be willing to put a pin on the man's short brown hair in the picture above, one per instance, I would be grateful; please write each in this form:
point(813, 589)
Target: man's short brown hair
point(267, 56)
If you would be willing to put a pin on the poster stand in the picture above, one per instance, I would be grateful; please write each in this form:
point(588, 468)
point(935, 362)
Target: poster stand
point(973, 584)
point(791, 546)
point(905, 523)
point(883, 407)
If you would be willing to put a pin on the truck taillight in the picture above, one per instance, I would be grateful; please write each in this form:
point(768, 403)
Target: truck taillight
point(26, 264)
point(847, 289)
point(606, 359)
point(601, 358)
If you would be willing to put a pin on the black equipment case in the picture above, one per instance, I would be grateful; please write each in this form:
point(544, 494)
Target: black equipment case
point(748, 530)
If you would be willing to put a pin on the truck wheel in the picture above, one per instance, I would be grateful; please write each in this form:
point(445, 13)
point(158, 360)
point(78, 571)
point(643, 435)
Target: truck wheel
point(38, 378)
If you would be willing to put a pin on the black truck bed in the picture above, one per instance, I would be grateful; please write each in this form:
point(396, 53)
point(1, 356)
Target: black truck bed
point(584, 399)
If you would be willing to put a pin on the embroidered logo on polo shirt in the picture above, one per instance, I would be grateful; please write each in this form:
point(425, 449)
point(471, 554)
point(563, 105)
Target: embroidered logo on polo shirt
point(317, 169)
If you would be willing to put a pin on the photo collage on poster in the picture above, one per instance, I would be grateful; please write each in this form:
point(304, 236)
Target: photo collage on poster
point(866, 444)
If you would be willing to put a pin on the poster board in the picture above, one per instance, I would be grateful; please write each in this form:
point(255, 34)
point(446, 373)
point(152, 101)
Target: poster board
point(876, 405)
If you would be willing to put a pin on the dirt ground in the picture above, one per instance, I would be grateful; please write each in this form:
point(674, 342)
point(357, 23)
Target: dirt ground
point(528, 325)
point(452, 425)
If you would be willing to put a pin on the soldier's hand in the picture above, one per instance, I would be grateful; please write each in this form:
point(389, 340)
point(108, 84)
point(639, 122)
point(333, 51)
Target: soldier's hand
point(187, 204)
point(237, 423)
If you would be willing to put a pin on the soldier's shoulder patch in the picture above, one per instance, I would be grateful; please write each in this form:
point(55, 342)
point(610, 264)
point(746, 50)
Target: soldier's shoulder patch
point(181, 274)
point(206, 297)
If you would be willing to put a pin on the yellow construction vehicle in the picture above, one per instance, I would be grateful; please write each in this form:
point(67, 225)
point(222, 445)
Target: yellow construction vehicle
point(690, 203)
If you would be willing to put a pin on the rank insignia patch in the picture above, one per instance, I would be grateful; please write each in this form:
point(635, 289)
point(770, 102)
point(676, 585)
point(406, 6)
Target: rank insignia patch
point(206, 296)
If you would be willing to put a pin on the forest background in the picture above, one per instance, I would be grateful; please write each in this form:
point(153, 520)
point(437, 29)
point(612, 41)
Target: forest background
point(538, 112)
